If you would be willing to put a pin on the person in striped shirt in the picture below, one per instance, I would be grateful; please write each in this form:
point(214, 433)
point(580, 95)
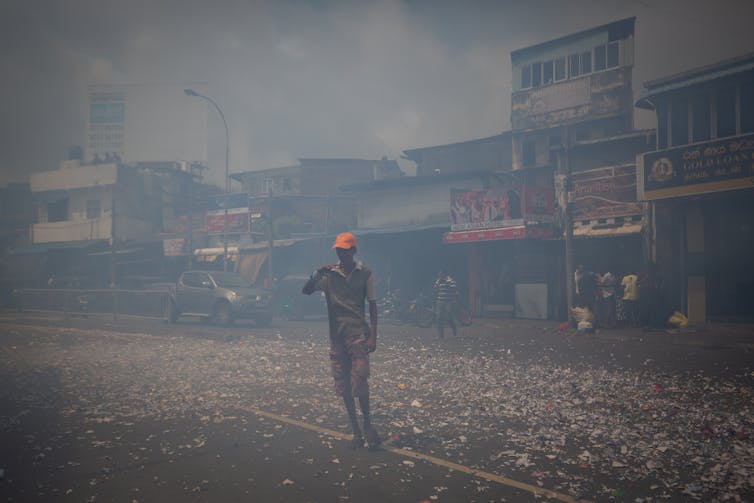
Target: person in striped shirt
point(446, 295)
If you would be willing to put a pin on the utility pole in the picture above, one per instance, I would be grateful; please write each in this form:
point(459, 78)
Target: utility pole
point(191, 219)
point(113, 286)
point(270, 243)
point(568, 217)
point(191, 92)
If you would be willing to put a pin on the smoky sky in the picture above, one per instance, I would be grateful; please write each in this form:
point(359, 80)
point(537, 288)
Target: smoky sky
point(317, 78)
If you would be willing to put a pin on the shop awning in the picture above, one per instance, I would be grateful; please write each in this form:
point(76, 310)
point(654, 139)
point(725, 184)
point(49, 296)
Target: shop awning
point(517, 232)
point(57, 245)
point(610, 230)
point(232, 250)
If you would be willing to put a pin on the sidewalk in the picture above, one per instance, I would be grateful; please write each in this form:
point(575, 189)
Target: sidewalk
point(710, 335)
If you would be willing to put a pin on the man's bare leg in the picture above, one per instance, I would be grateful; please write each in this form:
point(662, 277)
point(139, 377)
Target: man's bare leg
point(371, 435)
point(358, 438)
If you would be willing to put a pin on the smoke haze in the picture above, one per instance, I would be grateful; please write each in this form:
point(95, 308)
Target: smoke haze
point(317, 78)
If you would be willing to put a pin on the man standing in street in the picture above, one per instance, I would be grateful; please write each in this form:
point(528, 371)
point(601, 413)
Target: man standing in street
point(446, 295)
point(347, 285)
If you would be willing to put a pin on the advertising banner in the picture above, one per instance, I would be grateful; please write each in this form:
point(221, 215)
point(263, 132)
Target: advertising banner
point(499, 207)
point(237, 214)
point(174, 247)
point(700, 168)
point(605, 193)
point(518, 232)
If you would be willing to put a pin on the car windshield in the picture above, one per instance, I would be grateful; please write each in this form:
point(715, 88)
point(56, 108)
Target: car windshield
point(230, 280)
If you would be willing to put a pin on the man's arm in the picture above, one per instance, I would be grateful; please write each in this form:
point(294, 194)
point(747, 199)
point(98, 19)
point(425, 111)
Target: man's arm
point(372, 299)
point(372, 340)
point(308, 288)
point(313, 283)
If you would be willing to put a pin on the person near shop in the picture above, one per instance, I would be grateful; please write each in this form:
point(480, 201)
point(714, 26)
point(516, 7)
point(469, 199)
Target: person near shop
point(347, 285)
point(630, 299)
point(446, 298)
point(585, 284)
point(606, 300)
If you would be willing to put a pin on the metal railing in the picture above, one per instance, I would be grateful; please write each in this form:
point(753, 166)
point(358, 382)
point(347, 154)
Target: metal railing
point(81, 301)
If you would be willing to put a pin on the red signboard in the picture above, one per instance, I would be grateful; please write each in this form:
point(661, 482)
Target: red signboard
point(238, 221)
point(500, 207)
point(519, 232)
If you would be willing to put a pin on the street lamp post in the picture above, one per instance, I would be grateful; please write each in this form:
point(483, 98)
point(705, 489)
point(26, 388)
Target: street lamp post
point(191, 92)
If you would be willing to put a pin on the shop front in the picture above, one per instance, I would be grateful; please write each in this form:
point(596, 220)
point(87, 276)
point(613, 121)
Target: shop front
point(507, 235)
point(703, 214)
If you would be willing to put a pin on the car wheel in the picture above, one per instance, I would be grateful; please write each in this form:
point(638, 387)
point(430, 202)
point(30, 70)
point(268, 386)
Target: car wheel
point(222, 314)
point(263, 320)
point(171, 311)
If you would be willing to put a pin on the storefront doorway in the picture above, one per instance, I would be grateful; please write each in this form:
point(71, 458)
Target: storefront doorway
point(729, 248)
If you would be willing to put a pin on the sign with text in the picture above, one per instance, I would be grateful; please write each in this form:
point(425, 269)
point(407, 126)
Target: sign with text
point(605, 193)
point(237, 220)
point(174, 247)
point(517, 232)
point(700, 168)
point(499, 207)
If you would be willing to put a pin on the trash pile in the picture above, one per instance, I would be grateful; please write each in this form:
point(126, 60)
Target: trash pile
point(585, 430)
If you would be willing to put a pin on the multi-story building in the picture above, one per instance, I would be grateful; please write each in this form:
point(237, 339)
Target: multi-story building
point(83, 206)
point(699, 184)
point(291, 204)
point(572, 146)
point(145, 123)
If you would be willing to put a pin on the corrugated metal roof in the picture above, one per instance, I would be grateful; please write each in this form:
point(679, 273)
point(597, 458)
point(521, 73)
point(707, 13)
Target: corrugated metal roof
point(692, 78)
point(412, 153)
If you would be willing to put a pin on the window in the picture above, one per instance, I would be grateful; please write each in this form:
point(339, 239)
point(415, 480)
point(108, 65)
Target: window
point(57, 211)
point(528, 153)
point(190, 279)
point(586, 62)
point(747, 107)
point(700, 117)
point(725, 100)
point(560, 69)
point(600, 58)
point(553, 144)
point(525, 77)
point(287, 184)
point(612, 54)
point(268, 184)
point(536, 74)
point(662, 125)
point(93, 208)
point(573, 65)
point(679, 121)
point(547, 72)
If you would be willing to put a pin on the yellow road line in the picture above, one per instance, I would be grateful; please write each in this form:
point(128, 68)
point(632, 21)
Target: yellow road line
point(424, 457)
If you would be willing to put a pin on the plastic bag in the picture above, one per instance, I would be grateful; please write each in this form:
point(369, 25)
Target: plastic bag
point(579, 314)
point(678, 319)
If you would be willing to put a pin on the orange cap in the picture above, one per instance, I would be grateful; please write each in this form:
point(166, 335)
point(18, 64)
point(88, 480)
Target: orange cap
point(345, 240)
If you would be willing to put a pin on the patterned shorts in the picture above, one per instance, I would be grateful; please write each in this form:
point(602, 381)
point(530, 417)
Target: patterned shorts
point(349, 362)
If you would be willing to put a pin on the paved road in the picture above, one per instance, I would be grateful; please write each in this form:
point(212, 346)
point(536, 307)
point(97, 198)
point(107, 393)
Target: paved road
point(138, 410)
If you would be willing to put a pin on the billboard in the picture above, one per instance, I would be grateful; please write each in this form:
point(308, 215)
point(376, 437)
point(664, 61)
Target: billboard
point(605, 193)
point(699, 168)
point(237, 218)
point(500, 207)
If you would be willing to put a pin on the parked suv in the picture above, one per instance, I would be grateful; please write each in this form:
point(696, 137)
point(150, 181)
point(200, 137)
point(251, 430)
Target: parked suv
point(218, 296)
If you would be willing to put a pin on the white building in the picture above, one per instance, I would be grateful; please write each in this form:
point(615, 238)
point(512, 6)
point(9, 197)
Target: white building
point(146, 123)
point(75, 203)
